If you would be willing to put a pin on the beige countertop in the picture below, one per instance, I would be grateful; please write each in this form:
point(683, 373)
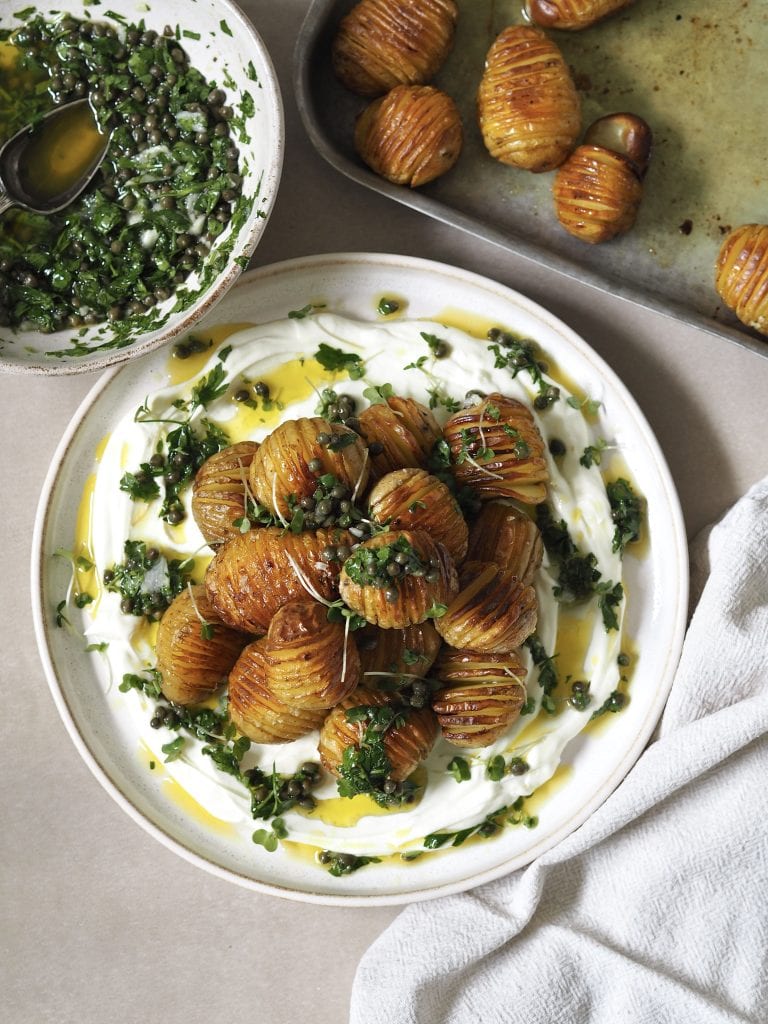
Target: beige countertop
point(98, 921)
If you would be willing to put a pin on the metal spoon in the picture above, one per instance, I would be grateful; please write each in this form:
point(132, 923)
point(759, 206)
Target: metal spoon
point(44, 167)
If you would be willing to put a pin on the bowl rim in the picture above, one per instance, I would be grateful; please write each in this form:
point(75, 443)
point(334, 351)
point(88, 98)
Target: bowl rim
point(271, 94)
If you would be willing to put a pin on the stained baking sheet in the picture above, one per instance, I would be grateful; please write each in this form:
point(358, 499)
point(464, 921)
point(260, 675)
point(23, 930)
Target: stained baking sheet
point(698, 76)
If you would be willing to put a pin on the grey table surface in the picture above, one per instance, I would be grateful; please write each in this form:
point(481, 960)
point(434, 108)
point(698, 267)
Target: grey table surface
point(99, 922)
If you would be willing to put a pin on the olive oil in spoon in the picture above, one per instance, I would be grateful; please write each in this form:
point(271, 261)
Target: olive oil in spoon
point(45, 167)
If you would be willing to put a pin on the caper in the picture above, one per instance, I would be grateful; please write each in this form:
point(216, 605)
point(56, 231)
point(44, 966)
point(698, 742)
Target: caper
point(261, 389)
point(175, 517)
point(392, 595)
point(556, 447)
point(375, 448)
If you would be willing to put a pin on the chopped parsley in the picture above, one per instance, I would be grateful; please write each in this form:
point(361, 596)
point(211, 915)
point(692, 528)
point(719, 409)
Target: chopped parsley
point(336, 361)
point(339, 864)
point(146, 580)
point(626, 511)
point(545, 663)
point(366, 768)
point(384, 566)
point(188, 447)
point(491, 825)
point(516, 355)
point(612, 704)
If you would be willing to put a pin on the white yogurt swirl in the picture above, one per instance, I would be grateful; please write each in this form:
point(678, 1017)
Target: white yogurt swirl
point(576, 494)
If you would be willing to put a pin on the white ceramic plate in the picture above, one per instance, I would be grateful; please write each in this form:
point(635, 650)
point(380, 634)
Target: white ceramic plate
point(352, 284)
point(236, 58)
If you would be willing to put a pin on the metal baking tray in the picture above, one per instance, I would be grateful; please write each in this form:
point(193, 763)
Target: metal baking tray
point(698, 77)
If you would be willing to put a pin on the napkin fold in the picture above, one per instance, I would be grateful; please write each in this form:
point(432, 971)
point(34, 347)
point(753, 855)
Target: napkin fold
point(656, 909)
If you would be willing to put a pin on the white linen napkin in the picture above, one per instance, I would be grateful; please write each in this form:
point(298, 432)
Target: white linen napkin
point(656, 909)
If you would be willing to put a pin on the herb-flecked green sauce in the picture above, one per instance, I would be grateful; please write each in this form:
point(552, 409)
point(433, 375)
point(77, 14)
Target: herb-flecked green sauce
point(168, 187)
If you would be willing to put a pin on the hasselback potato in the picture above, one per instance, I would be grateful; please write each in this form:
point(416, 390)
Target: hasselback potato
point(506, 536)
point(219, 491)
point(598, 189)
point(255, 710)
point(384, 43)
point(309, 661)
point(291, 459)
point(572, 14)
point(195, 649)
point(492, 613)
point(741, 276)
point(405, 745)
point(527, 104)
point(497, 450)
point(251, 576)
point(482, 696)
point(410, 651)
point(400, 433)
point(398, 579)
point(410, 136)
point(412, 499)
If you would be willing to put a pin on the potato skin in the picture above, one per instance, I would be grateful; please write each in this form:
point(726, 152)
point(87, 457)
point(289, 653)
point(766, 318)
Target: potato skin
point(410, 136)
point(281, 466)
point(741, 274)
point(528, 107)
point(482, 696)
point(305, 662)
point(503, 535)
point(405, 745)
point(416, 595)
point(410, 651)
point(255, 710)
point(412, 499)
point(517, 469)
point(405, 430)
point(218, 491)
point(597, 194)
point(384, 43)
point(191, 666)
point(492, 613)
point(572, 14)
point(251, 576)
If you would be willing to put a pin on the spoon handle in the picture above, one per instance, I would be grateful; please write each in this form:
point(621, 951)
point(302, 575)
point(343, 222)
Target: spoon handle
point(6, 202)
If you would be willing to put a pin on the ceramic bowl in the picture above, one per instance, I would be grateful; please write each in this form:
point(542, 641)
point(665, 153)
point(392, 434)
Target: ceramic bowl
point(107, 725)
point(225, 47)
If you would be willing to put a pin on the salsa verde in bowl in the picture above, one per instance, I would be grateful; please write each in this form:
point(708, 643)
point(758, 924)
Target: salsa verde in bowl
point(189, 100)
point(373, 313)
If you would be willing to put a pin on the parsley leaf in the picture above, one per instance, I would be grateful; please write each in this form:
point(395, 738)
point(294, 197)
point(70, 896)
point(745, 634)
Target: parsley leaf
point(626, 512)
point(336, 361)
point(210, 387)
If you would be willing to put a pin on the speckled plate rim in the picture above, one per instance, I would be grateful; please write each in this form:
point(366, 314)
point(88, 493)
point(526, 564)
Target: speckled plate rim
point(676, 592)
point(270, 180)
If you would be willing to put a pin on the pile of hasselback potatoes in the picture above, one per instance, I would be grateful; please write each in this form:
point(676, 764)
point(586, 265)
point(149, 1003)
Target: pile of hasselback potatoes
point(369, 587)
point(529, 116)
